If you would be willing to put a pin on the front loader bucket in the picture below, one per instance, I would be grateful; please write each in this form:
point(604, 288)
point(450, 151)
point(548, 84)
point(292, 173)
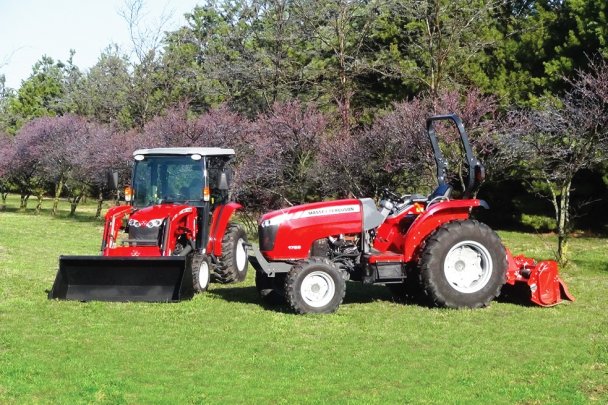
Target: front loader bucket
point(103, 278)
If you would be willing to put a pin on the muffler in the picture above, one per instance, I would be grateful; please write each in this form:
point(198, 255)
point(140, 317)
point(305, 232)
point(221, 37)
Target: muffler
point(113, 278)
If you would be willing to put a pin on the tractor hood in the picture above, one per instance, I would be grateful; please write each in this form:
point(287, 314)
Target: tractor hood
point(310, 222)
point(321, 209)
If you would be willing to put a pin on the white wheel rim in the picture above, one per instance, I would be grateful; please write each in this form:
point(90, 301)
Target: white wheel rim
point(203, 275)
point(468, 267)
point(318, 289)
point(241, 256)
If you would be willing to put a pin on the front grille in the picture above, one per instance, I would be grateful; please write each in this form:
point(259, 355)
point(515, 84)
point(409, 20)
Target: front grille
point(143, 233)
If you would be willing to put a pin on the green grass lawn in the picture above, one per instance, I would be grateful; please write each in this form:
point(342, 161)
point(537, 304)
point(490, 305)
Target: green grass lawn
point(224, 347)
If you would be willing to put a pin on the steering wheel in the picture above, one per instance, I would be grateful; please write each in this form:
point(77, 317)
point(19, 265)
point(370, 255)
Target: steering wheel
point(390, 195)
point(174, 197)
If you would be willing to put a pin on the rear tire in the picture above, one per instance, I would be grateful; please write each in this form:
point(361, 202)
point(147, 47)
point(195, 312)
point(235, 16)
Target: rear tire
point(232, 265)
point(201, 274)
point(271, 289)
point(315, 286)
point(463, 265)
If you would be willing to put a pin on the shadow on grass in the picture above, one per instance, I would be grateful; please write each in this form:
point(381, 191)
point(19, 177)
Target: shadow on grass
point(518, 294)
point(247, 295)
point(356, 293)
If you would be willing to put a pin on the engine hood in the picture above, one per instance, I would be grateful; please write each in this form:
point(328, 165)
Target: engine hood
point(288, 234)
point(312, 210)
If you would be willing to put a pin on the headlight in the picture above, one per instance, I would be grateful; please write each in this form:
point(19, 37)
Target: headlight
point(279, 219)
point(135, 223)
point(154, 223)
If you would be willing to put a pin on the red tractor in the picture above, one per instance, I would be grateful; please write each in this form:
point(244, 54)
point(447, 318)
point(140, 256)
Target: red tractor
point(173, 236)
point(412, 243)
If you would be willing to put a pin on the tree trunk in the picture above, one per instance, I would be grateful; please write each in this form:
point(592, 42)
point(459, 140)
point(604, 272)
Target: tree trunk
point(563, 223)
point(74, 203)
point(38, 203)
point(99, 205)
point(23, 202)
point(4, 197)
point(58, 188)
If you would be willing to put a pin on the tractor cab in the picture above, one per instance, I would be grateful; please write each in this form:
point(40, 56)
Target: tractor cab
point(191, 176)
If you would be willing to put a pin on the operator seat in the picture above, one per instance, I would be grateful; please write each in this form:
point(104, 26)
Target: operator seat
point(442, 192)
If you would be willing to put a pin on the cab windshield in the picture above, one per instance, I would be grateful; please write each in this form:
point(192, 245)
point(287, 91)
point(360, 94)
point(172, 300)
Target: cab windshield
point(168, 179)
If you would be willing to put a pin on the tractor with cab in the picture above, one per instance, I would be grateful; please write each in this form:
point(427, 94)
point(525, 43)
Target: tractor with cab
point(175, 234)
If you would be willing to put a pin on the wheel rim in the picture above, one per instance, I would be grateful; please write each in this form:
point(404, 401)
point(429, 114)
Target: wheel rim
point(318, 289)
point(468, 267)
point(241, 255)
point(203, 275)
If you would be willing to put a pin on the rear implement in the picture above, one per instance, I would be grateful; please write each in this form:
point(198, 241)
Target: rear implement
point(545, 285)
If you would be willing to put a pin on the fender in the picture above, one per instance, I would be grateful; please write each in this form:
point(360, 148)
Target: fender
point(219, 222)
point(435, 216)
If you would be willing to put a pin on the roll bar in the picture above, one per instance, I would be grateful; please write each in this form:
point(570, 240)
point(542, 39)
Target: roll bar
point(476, 171)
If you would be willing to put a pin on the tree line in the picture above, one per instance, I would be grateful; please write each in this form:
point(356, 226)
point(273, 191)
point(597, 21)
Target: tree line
point(325, 98)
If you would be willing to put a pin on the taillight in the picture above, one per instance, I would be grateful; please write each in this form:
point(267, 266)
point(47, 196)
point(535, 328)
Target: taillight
point(206, 193)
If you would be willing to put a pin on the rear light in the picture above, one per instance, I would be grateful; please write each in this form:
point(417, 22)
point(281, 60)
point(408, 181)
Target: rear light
point(206, 194)
point(128, 194)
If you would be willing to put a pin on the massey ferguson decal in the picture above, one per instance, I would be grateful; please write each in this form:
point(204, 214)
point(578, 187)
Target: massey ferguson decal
point(316, 212)
point(341, 209)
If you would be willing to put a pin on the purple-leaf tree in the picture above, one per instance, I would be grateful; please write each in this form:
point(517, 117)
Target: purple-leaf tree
point(6, 146)
point(25, 166)
point(279, 154)
point(554, 143)
point(107, 150)
point(62, 140)
point(178, 127)
point(384, 155)
point(395, 153)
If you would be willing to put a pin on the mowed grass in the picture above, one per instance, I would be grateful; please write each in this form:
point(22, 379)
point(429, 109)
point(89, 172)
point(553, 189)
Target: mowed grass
point(225, 347)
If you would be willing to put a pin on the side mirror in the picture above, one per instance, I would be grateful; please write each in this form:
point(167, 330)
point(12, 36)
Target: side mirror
point(113, 180)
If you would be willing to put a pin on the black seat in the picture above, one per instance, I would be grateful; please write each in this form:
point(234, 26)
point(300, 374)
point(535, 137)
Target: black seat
point(443, 191)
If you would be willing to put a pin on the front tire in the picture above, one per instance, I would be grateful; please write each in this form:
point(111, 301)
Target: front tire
point(463, 265)
point(201, 272)
point(315, 286)
point(233, 263)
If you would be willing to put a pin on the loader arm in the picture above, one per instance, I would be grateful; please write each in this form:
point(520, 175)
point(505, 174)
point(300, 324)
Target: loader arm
point(113, 224)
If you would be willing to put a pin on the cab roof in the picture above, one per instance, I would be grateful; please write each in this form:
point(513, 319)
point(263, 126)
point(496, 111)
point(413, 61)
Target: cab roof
point(186, 151)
